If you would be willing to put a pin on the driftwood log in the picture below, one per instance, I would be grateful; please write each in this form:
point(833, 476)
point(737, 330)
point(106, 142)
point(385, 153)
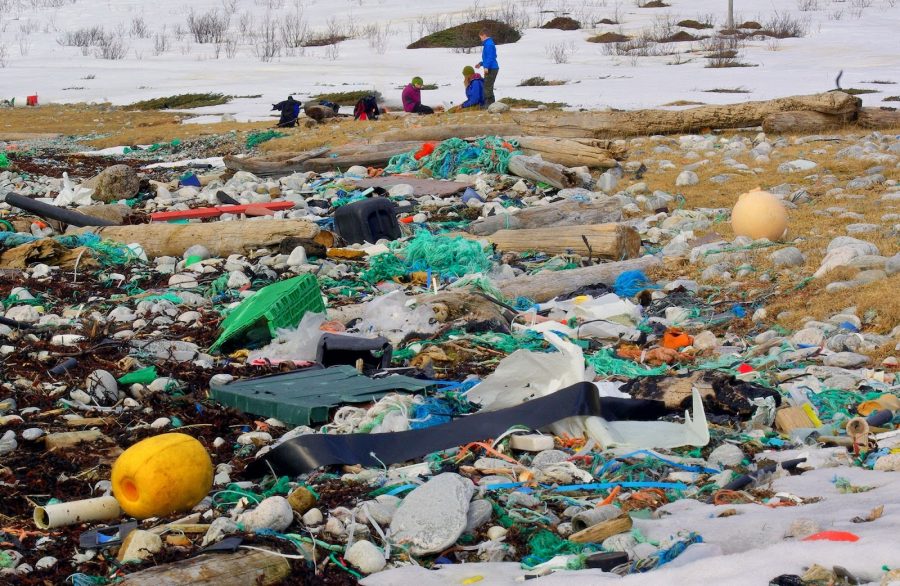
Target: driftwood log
point(220, 238)
point(564, 213)
point(370, 155)
point(273, 165)
point(235, 569)
point(570, 153)
point(443, 132)
point(606, 241)
point(646, 122)
point(541, 171)
point(804, 122)
point(878, 119)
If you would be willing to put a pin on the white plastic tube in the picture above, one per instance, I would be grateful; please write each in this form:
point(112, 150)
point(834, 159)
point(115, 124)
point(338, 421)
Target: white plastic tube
point(102, 508)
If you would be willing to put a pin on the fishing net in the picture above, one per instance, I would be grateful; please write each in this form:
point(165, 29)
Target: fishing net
point(489, 154)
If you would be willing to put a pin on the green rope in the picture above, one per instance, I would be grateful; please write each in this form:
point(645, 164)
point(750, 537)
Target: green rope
point(489, 154)
point(605, 363)
point(445, 255)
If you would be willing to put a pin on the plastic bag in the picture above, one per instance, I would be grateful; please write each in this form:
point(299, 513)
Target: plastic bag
point(300, 343)
point(390, 317)
point(73, 195)
point(526, 375)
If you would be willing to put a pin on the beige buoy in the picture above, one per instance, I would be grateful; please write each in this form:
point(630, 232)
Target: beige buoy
point(759, 214)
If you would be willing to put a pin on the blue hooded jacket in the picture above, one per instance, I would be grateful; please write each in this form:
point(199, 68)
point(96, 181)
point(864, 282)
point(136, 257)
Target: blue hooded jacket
point(474, 92)
point(489, 54)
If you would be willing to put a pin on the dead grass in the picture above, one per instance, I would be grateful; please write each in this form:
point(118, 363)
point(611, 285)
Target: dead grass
point(684, 103)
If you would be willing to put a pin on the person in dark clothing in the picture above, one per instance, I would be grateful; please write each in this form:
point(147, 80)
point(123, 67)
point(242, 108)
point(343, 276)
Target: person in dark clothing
point(290, 111)
point(412, 98)
point(489, 64)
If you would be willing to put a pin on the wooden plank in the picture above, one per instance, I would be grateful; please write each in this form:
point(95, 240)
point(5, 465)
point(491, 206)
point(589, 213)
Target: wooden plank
point(236, 569)
point(220, 238)
point(607, 241)
point(563, 213)
point(216, 211)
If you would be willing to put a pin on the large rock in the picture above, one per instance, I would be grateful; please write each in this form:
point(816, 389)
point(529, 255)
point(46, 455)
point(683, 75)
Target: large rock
point(846, 360)
point(788, 257)
point(114, 183)
point(433, 516)
point(498, 108)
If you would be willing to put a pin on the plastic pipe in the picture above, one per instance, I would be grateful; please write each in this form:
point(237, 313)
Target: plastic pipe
point(857, 427)
point(102, 508)
point(52, 212)
point(591, 517)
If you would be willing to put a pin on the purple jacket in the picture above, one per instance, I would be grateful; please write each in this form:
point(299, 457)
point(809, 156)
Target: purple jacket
point(411, 97)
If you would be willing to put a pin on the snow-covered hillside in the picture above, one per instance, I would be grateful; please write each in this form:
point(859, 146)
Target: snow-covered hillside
point(159, 55)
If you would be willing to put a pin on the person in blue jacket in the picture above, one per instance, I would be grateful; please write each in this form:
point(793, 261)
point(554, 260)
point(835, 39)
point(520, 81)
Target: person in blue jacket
point(474, 90)
point(489, 64)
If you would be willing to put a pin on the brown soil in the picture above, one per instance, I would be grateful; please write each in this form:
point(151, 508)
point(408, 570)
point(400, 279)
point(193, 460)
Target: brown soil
point(609, 38)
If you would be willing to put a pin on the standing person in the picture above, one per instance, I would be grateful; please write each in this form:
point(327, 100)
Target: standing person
point(412, 98)
point(489, 64)
point(474, 90)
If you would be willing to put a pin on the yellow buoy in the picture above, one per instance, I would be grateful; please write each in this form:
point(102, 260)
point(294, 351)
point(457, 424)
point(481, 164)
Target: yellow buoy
point(759, 214)
point(161, 475)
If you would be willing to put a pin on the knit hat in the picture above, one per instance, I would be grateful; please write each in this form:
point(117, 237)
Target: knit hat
point(417, 81)
point(468, 70)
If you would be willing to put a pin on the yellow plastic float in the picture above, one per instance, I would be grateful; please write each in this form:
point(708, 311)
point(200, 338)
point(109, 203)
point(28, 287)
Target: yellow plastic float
point(161, 475)
point(759, 214)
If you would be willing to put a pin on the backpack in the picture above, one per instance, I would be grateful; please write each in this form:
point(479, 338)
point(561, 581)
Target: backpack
point(366, 109)
point(331, 105)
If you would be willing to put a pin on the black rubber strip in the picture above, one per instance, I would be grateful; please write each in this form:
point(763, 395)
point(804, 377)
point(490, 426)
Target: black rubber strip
point(52, 212)
point(308, 452)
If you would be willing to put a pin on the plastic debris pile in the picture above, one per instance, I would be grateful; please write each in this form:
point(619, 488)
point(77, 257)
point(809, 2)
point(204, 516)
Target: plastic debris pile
point(432, 405)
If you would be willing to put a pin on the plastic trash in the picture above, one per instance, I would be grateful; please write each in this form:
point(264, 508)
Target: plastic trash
point(72, 195)
point(161, 475)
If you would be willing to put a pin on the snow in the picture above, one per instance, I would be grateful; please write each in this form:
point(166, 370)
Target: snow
point(746, 549)
point(863, 44)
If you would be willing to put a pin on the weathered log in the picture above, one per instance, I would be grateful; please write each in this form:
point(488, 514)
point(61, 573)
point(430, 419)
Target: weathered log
point(563, 213)
point(803, 122)
point(443, 132)
point(568, 153)
point(878, 119)
point(373, 155)
point(236, 569)
point(645, 122)
point(279, 164)
point(537, 169)
point(547, 285)
point(606, 241)
point(220, 238)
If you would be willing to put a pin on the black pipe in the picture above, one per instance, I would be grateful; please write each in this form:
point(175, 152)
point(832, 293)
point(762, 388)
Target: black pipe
point(52, 212)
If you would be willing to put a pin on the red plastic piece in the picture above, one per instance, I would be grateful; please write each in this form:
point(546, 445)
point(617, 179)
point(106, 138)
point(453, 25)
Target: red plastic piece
point(832, 536)
point(744, 368)
point(426, 150)
point(216, 211)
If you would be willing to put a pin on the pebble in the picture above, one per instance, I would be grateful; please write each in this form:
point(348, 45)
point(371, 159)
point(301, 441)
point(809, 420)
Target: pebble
point(433, 516)
point(102, 386)
point(139, 545)
point(686, 178)
point(313, 517)
point(273, 513)
point(366, 557)
point(479, 513)
point(788, 257)
point(846, 360)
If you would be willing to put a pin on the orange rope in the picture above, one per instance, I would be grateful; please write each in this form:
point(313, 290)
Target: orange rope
point(465, 450)
point(611, 497)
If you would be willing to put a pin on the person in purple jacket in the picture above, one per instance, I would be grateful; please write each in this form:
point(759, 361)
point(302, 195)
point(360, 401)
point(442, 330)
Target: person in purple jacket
point(412, 98)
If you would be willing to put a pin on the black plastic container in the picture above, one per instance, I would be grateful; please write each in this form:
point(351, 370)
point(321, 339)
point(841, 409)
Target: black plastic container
point(368, 220)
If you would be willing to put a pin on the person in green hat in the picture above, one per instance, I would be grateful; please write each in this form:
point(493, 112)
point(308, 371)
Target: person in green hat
point(412, 98)
point(474, 90)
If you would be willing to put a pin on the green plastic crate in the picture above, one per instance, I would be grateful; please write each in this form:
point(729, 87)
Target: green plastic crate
point(279, 305)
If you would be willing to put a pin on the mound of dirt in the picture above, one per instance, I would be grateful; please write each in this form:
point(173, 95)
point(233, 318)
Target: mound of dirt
point(606, 21)
point(654, 4)
point(680, 37)
point(466, 35)
point(563, 23)
point(694, 24)
point(609, 38)
point(750, 25)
